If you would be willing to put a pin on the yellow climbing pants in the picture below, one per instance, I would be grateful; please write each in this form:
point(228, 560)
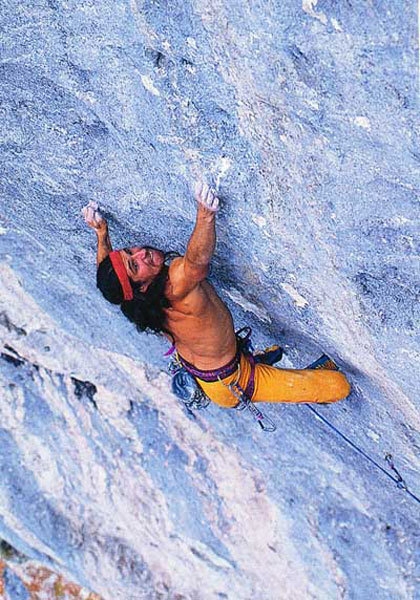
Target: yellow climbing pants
point(279, 385)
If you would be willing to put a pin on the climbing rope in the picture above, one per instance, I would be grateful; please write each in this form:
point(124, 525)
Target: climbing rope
point(398, 479)
point(197, 399)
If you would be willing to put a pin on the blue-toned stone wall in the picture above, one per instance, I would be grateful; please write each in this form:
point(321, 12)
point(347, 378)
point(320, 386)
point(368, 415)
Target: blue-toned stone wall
point(304, 117)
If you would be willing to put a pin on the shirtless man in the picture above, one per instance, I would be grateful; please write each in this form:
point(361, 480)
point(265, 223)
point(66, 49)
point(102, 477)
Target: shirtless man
point(179, 302)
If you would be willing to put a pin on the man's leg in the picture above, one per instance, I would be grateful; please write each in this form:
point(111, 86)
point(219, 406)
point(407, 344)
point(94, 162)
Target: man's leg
point(219, 392)
point(302, 385)
point(280, 385)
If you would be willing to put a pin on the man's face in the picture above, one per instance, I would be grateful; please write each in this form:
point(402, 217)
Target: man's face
point(142, 263)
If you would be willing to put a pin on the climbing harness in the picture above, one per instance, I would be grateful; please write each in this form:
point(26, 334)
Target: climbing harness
point(186, 388)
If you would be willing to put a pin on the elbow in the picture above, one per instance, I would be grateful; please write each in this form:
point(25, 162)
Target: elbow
point(197, 271)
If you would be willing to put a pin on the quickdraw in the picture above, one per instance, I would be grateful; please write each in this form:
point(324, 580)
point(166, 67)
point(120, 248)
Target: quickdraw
point(245, 403)
point(187, 389)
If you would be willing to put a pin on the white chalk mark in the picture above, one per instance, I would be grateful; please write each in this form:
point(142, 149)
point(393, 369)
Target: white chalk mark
point(373, 435)
point(299, 300)
point(222, 166)
point(309, 7)
point(362, 122)
point(149, 85)
point(336, 24)
point(260, 221)
point(191, 42)
point(259, 312)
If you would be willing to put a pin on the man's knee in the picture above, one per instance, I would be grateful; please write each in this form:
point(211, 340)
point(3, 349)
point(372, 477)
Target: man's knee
point(342, 387)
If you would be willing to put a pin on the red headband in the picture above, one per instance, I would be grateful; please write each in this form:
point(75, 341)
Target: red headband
point(121, 273)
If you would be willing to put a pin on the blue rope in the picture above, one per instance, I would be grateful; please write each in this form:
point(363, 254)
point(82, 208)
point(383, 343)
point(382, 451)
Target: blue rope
point(398, 480)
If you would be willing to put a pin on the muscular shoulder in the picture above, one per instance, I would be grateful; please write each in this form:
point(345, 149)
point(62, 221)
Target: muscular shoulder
point(176, 273)
point(184, 280)
point(175, 266)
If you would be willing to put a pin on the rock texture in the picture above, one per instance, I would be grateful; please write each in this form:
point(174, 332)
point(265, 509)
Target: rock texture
point(304, 117)
point(23, 579)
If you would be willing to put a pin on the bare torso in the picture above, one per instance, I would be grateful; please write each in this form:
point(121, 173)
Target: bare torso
point(202, 327)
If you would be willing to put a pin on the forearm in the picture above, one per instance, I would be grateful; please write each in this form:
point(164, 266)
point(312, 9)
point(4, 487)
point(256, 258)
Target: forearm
point(104, 245)
point(202, 242)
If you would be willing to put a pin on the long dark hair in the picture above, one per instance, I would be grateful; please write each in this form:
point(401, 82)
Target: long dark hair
point(147, 309)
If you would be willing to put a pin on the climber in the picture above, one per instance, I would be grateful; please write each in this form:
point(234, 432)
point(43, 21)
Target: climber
point(178, 301)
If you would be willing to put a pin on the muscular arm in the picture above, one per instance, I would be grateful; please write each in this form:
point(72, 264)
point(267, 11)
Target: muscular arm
point(187, 273)
point(202, 243)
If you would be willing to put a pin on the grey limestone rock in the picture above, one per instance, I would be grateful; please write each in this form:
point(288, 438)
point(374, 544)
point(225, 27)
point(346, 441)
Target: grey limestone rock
point(304, 116)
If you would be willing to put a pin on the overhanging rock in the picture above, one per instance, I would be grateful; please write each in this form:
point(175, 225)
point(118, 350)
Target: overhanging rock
point(304, 117)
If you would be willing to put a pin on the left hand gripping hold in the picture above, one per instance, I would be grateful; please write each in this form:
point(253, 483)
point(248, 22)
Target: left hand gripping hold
point(92, 216)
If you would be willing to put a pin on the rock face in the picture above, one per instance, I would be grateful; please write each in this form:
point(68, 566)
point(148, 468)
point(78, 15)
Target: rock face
point(304, 117)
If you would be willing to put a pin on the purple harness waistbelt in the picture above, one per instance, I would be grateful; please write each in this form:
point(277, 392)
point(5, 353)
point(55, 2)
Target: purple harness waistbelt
point(222, 372)
point(214, 374)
